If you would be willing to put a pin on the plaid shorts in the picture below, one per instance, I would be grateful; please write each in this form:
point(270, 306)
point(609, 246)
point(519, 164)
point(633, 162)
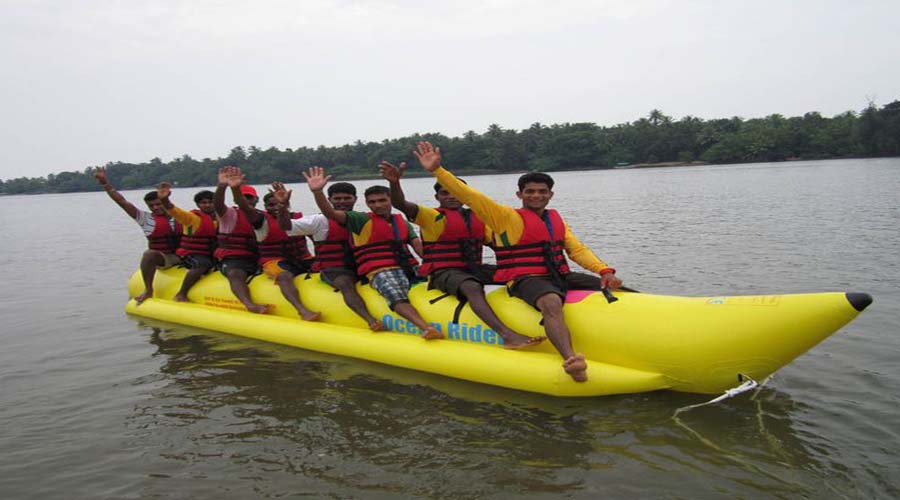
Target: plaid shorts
point(393, 285)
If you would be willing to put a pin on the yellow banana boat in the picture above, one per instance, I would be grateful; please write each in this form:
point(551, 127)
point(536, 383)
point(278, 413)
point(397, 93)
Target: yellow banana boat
point(640, 342)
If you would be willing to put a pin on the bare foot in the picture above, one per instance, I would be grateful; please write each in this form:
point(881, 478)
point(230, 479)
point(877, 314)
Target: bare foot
point(180, 298)
point(258, 308)
point(432, 333)
point(518, 341)
point(311, 316)
point(376, 325)
point(144, 296)
point(576, 367)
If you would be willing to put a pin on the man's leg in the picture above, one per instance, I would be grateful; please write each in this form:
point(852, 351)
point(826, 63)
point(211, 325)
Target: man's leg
point(551, 307)
point(394, 286)
point(473, 291)
point(285, 282)
point(347, 287)
point(409, 312)
point(198, 267)
point(237, 280)
point(149, 262)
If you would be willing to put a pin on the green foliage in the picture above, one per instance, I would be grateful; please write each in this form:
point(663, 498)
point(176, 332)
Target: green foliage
point(656, 138)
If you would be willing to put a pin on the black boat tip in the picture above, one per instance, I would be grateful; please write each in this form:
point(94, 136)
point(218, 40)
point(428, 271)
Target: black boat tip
point(859, 301)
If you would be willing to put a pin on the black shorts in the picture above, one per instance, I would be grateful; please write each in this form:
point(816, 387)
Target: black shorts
point(531, 288)
point(296, 267)
point(448, 280)
point(197, 261)
point(248, 265)
point(330, 274)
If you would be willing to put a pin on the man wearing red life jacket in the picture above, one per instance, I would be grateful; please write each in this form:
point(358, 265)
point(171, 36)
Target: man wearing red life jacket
point(334, 258)
point(529, 244)
point(236, 247)
point(278, 254)
point(452, 240)
point(160, 229)
point(198, 236)
point(379, 240)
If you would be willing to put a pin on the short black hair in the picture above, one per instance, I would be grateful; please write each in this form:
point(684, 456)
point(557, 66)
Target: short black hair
point(150, 196)
point(537, 178)
point(203, 195)
point(438, 187)
point(377, 190)
point(268, 196)
point(341, 187)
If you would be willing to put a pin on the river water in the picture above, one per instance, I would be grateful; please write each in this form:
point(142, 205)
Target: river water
point(97, 404)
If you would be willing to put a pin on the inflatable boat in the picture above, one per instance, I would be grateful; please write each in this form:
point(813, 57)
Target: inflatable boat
point(634, 342)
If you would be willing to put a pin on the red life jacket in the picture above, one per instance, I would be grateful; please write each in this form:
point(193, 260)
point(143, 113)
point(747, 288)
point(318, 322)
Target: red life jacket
point(277, 245)
point(201, 241)
point(164, 237)
point(386, 246)
point(539, 250)
point(300, 248)
point(459, 244)
point(334, 250)
point(240, 242)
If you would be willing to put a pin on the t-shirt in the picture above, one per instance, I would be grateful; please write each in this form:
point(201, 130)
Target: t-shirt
point(148, 222)
point(310, 225)
point(360, 226)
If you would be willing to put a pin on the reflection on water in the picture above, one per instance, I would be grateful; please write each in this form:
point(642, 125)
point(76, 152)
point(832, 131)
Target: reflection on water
point(357, 428)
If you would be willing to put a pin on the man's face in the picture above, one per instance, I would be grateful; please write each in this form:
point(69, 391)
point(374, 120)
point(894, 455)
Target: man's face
point(156, 206)
point(342, 201)
point(379, 204)
point(535, 195)
point(252, 200)
point(207, 206)
point(272, 206)
point(447, 200)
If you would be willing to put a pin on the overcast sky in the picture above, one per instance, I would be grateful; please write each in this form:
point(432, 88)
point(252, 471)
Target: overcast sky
point(88, 82)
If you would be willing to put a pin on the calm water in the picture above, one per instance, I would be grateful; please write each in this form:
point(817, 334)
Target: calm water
point(95, 404)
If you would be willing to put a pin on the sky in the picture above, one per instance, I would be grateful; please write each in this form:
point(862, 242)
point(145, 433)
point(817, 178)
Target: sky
point(95, 81)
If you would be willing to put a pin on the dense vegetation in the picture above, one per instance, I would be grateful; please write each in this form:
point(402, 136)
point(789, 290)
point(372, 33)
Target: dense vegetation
point(656, 138)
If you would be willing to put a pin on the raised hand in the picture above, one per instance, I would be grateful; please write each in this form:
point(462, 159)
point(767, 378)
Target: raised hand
point(429, 156)
point(233, 177)
point(316, 178)
point(282, 195)
point(223, 175)
point(100, 175)
point(390, 172)
point(163, 190)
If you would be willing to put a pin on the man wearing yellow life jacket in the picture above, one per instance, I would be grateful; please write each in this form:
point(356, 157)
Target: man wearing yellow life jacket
point(161, 230)
point(334, 258)
point(278, 255)
point(529, 243)
point(452, 241)
point(198, 236)
point(379, 240)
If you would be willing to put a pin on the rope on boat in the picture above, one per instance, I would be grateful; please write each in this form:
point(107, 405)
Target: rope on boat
point(748, 385)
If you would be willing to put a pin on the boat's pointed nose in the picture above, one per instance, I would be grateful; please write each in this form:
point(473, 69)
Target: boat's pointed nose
point(859, 301)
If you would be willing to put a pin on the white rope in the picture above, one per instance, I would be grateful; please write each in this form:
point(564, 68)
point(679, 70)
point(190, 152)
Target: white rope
point(748, 385)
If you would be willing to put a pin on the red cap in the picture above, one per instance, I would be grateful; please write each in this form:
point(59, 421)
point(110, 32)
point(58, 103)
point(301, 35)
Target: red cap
point(245, 189)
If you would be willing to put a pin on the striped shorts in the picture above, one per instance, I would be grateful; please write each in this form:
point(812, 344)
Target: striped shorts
point(393, 285)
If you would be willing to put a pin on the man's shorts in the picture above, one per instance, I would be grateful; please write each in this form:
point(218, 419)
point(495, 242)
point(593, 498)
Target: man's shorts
point(247, 265)
point(273, 268)
point(171, 260)
point(448, 280)
point(331, 274)
point(393, 285)
point(531, 288)
point(197, 261)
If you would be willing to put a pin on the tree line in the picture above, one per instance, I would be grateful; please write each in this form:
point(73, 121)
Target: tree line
point(873, 132)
